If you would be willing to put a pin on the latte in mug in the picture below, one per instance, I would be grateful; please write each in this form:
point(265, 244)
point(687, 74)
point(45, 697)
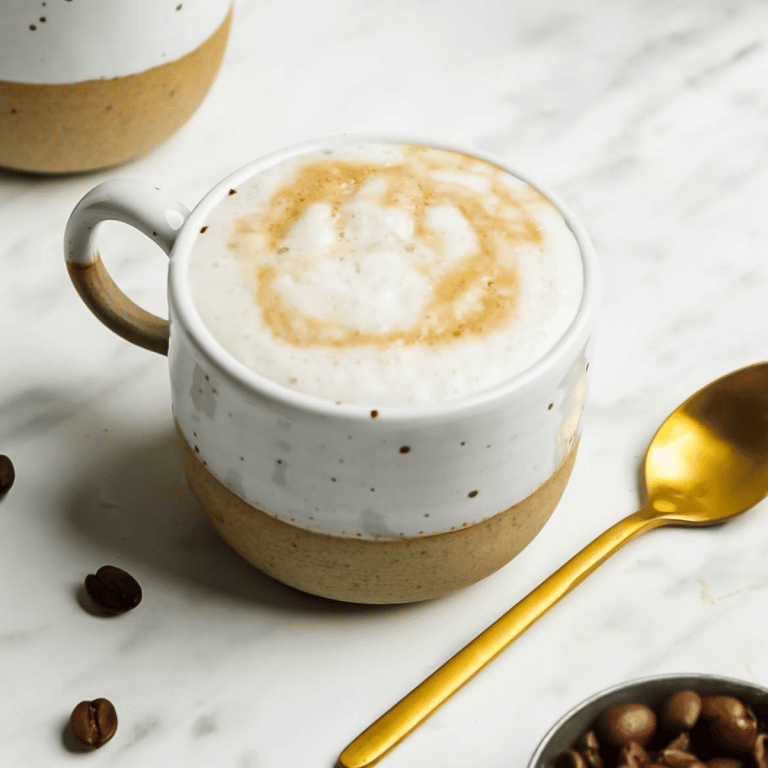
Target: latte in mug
point(386, 274)
point(378, 357)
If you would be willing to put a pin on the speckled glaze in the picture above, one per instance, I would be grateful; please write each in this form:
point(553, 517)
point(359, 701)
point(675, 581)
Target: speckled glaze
point(347, 471)
point(86, 84)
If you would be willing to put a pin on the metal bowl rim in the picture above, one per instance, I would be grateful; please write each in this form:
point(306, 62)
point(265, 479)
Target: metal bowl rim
point(687, 679)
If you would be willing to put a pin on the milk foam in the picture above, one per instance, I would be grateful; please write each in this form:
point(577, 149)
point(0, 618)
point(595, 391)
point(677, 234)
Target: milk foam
point(386, 274)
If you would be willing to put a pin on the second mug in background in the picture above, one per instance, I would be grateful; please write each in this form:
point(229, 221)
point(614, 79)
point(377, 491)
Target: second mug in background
point(86, 84)
point(358, 255)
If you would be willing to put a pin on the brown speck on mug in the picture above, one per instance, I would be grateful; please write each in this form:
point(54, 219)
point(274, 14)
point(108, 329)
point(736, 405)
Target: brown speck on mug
point(405, 449)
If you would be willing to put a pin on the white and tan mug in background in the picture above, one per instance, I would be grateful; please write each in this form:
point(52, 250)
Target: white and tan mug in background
point(87, 84)
point(461, 486)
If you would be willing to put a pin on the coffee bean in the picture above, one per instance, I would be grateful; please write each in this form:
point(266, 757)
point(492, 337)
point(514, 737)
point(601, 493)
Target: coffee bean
point(113, 590)
point(589, 748)
point(93, 723)
point(7, 475)
point(680, 712)
point(712, 732)
point(624, 723)
point(760, 751)
point(570, 759)
point(634, 756)
point(678, 758)
point(719, 707)
point(730, 727)
point(681, 742)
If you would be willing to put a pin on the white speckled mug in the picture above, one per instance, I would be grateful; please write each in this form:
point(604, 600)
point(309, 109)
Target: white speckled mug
point(411, 504)
point(86, 84)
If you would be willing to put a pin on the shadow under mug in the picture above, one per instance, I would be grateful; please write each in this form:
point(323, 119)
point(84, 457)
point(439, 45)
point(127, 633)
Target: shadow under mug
point(388, 505)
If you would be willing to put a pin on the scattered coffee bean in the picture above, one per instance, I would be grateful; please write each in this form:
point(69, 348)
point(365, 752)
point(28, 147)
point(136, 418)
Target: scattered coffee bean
point(7, 475)
point(113, 590)
point(680, 712)
point(694, 732)
point(622, 724)
point(93, 723)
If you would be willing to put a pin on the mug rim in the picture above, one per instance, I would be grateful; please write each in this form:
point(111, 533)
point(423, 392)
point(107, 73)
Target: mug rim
point(182, 307)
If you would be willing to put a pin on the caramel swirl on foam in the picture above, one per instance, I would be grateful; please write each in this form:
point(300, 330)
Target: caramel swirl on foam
point(385, 274)
point(474, 295)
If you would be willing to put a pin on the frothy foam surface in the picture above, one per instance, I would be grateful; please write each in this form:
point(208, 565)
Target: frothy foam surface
point(386, 274)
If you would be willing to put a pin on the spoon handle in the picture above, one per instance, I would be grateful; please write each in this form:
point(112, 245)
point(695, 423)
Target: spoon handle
point(395, 724)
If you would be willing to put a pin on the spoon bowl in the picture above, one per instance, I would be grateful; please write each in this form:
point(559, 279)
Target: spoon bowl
point(709, 459)
point(707, 463)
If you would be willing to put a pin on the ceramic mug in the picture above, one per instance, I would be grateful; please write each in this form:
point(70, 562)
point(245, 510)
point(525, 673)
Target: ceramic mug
point(86, 84)
point(461, 486)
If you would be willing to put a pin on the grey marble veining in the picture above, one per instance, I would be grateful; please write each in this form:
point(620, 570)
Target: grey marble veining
point(650, 119)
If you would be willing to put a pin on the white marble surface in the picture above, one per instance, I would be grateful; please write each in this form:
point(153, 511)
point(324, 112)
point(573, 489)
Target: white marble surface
point(650, 119)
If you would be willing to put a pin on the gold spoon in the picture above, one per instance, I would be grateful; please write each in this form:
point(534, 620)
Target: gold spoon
point(707, 463)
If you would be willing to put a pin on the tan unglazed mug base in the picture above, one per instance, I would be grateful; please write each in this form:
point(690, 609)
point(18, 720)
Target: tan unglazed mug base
point(373, 571)
point(71, 127)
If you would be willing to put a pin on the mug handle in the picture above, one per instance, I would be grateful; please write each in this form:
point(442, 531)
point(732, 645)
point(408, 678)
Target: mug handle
point(143, 207)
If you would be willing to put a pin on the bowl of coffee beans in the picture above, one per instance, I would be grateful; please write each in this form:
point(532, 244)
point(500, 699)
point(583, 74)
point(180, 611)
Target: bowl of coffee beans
point(670, 721)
